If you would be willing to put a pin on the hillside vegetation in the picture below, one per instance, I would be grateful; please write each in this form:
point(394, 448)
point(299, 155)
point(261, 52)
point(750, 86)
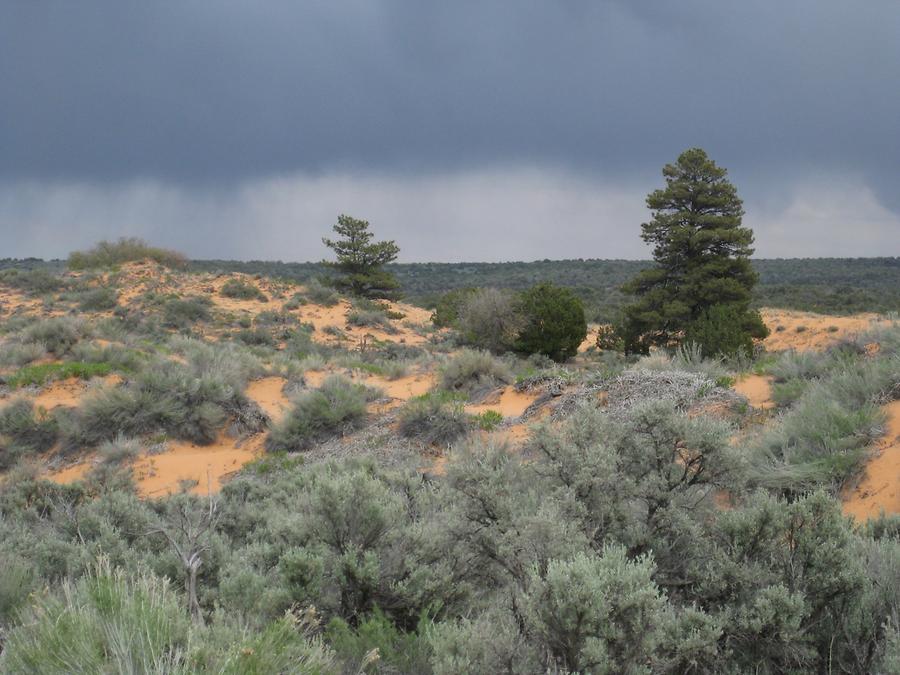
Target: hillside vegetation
point(220, 473)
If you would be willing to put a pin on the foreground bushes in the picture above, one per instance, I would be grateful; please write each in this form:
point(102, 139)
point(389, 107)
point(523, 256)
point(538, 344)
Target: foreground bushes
point(602, 552)
point(117, 623)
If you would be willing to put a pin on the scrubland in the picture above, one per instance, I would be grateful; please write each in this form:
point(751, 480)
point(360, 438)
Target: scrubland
point(231, 473)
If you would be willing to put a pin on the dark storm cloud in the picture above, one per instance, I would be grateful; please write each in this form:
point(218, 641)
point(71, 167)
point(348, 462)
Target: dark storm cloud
point(204, 90)
point(101, 99)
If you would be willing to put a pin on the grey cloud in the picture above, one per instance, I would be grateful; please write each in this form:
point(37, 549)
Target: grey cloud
point(113, 105)
point(504, 213)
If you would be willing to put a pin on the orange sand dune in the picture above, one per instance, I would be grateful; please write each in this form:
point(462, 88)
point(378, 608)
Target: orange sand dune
point(757, 389)
point(817, 331)
point(879, 488)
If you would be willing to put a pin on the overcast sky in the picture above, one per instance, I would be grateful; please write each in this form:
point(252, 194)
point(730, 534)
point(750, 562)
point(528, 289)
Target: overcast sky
point(465, 130)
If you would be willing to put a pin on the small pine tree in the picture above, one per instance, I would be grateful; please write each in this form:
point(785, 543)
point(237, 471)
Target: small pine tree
point(702, 256)
point(360, 261)
point(554, 322)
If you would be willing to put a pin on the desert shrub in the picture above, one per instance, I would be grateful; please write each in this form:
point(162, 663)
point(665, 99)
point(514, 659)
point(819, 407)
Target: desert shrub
point(725, 330)
point(16, 354)
point(271, 317)
point(474, 372)
point(489, 319)
point(296, 301)
point(107, 622)
point(118, 357)
point(448, 307)
point(370, 318)
point(435, 418)
point(180, 313)
point(376, 639)
point(27, 429)
point(488, 420)
point(800, 329)
point(687, 358)
point(190, 403)
point(318, 293)
point(17, 582)
point(45, 372)
point(119, 450)
point(37, 282)
point(338, 406)
point(596, 613)
point(786, 393)
point(57, 335)
point(242, 290)
point(110, 254)
point(554, 325)
point(804, 365)
point(255, 337)
point(98, 299)
point(821, 440)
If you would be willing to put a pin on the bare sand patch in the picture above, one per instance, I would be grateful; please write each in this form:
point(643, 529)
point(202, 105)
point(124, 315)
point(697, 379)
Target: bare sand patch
point(509, 403)
point(206, 465)
point(73, 473)
point(879, 488)
point(406, 387)
point(268, 394)
point(757, 389)
point(809, 331)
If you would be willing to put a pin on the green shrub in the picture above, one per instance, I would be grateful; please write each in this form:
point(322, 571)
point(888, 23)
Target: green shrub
point(29, 430)
point(802, 365)
point(188, 403)
point(37, 282)
point(180, 313)
point(376, 639)
point(318, 293)
point(255, 337)
point(45, 372)
point(474, 372)
point(787, 392)
point(242, 290)
point(488, 420)
point(448, 307)
point(57, 335)
point(337, 407)
point(435, 418)
point(596, 613)
point(15, 354)
point(489, 319)
point(555, 324)
point(110, 254)
point(98, 300)
point(370, 318)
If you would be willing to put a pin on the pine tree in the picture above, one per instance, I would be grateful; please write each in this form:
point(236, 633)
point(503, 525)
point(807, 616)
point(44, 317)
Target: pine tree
point(702, 255)
point(360, 261)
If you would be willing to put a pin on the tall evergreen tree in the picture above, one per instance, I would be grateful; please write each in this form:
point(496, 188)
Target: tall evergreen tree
point(360, 261)
point(703, 272)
